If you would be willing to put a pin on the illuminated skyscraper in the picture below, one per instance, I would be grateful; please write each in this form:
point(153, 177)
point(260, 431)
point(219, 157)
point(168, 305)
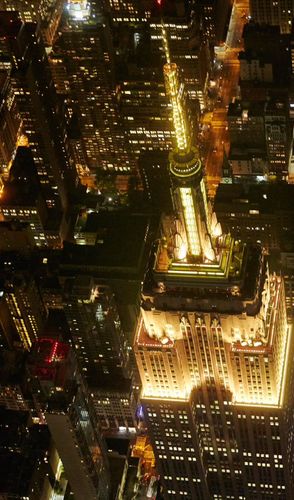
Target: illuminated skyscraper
point(212, 347)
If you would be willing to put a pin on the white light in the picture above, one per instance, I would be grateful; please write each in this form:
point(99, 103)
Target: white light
point(190, 221)
point(182, 251)
point(78, 10)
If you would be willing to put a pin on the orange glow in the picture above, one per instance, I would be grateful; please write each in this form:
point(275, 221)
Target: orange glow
point(23, 141)
point(142, 449)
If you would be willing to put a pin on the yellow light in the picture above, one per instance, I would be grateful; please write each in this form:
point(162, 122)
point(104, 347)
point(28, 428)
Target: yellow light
point(190, 221)
point(165, 43)
point(285, 366)
point(172, 90)
point(182, 251)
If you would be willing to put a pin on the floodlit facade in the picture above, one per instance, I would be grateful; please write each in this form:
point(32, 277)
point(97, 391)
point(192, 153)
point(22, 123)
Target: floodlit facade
point(212, 347)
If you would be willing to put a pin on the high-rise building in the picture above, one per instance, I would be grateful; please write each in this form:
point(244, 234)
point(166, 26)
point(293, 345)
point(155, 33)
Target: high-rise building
point(23, 52)
point(60, 392)
point(134, 11)
point(10, 123)
point(102, 350)
point(212, 348)
point(189, 49)
point(246, 124)
point(212, 17)
point(22, 200)
point(24, 450)
point(260, 212)
point(273, 12)
point(85, 46)
point(260, 137)
point(145, 114)
point(22, 314)
point(143, 106)
point(156, 180)
point(95, 327)
point(278, 135)
point(46, 13)
point(265, 63)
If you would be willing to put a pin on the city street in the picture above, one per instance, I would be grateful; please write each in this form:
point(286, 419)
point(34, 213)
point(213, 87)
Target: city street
point(228, 89)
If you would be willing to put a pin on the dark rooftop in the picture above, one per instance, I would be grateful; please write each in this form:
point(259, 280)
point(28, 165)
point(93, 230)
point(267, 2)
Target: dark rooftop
point(269, 198)
point(120, 246)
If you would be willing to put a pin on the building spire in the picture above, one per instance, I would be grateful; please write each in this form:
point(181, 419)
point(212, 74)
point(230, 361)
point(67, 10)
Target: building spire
point(186, 170)
point(165, 42)
point(174, 92)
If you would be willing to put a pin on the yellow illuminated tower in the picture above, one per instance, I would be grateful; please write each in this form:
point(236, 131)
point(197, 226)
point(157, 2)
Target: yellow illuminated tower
point(198, 226)
point(213, 348)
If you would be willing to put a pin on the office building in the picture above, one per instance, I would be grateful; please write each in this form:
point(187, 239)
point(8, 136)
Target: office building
point(156, 180)
point(134, 11)
point(23, 314)
point(36, 100)
point(115, 405)
point(47, 13)
point(269, 44)
point(261, 212)
point(10, 123)
point(246, 124)
point(61, 394)
point(95, 327)
point(22, 201)
point(118, 258)
point(145, 114)
point(260, 137)
point(272, 12)
point(278, 135)
point(85, 46)
point(11, 398)
point(265, 63)
point(24, 448)
point(212, 17)
point(102, 350)
point(212, 348)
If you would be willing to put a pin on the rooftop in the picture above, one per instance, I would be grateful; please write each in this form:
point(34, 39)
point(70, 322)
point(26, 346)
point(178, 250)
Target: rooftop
point(227, 294)
point(268, 198)
point(120, 244)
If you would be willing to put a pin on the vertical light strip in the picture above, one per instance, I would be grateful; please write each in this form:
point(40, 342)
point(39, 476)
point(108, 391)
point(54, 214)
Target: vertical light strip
point(190, 221)
point(172, 91)
point(165, 43)
point(204, 197)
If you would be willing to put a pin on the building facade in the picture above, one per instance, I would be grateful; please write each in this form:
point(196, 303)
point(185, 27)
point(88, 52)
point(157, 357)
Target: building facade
point(274, 13)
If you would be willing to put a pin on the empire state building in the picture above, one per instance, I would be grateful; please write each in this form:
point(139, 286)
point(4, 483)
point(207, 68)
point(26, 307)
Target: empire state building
point(212, 346)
